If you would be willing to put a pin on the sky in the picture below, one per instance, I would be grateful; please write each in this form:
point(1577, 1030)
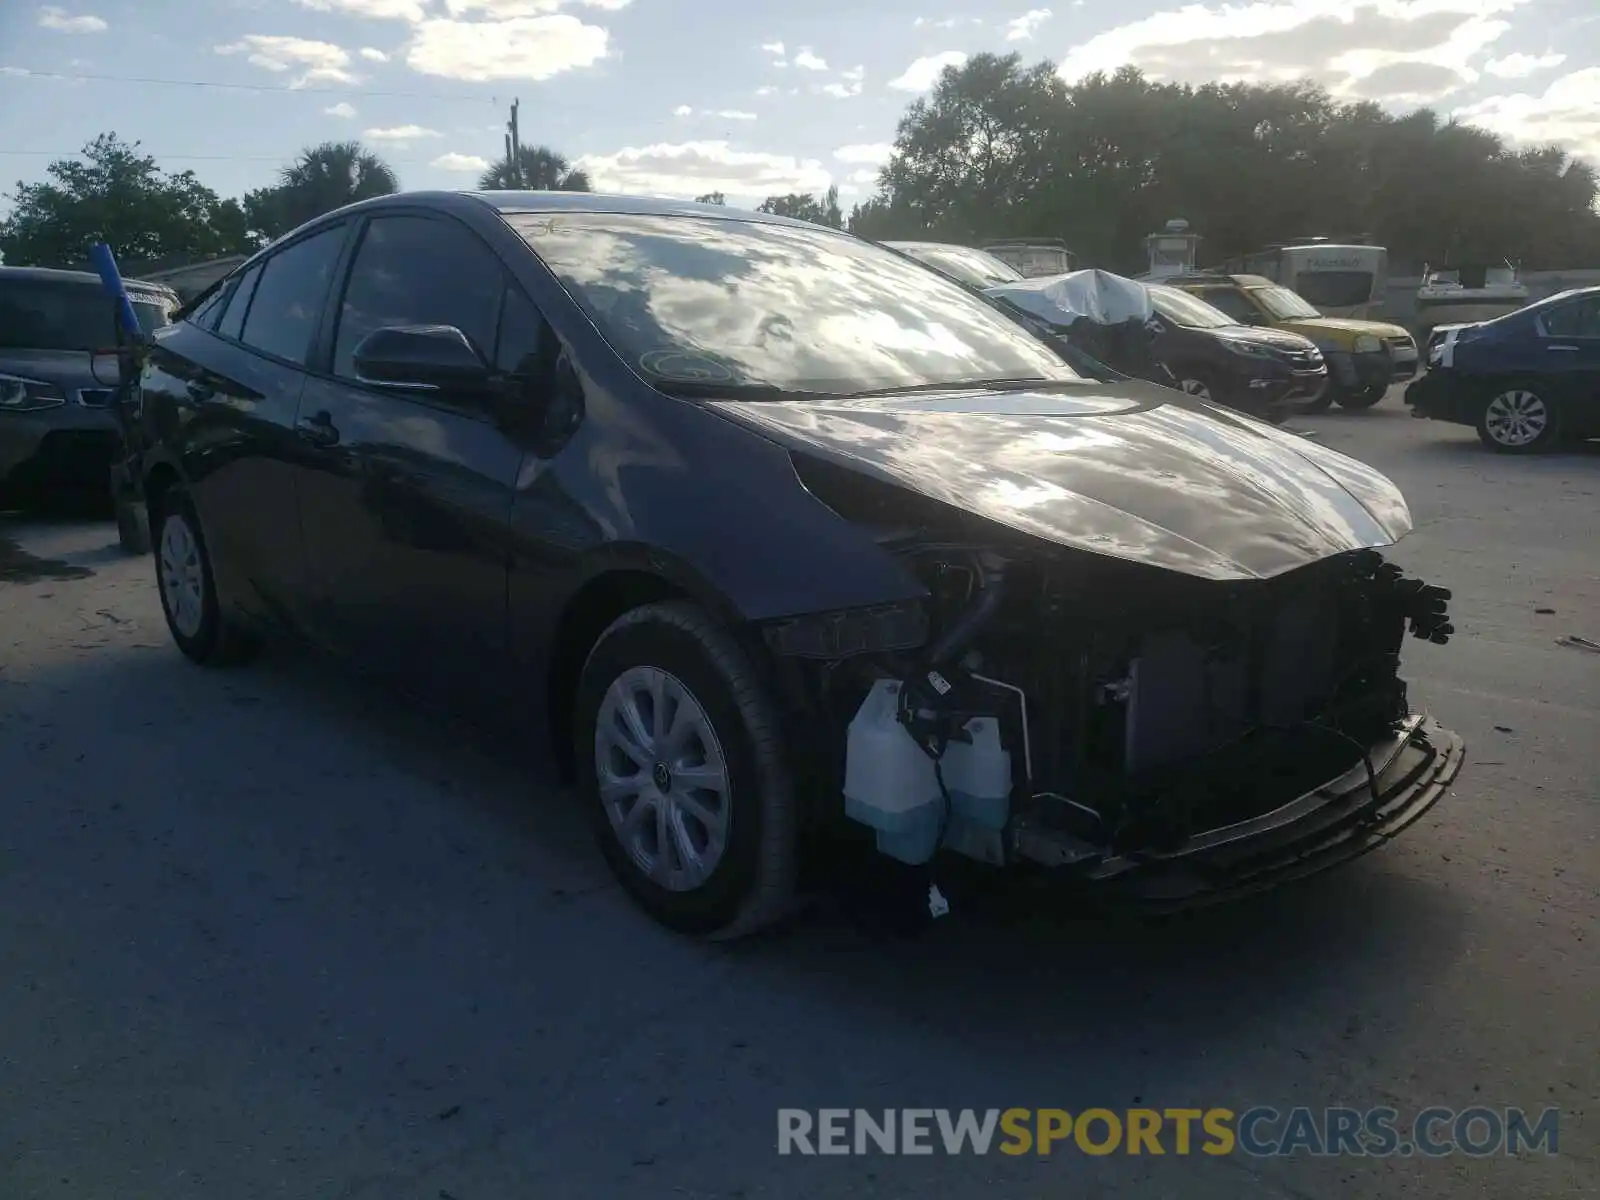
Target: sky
point(745, 97)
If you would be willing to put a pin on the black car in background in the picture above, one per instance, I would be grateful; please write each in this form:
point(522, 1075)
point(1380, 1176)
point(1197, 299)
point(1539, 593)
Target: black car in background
point(1526, 381)
point(58, 433)
point(1257, 370)
point(772, 539)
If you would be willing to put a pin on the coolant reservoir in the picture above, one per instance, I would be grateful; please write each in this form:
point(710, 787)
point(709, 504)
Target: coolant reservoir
point(889, 783)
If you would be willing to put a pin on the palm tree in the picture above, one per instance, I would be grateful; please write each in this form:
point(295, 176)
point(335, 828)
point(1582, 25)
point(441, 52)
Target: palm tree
point(537, 168)
point(320, 180)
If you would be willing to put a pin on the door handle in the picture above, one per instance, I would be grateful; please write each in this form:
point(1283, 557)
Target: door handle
point(1573, 349)
point(318, 429)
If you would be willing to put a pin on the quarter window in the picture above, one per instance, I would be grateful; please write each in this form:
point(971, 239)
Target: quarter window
point(1579, 319)
point(289, 296)
point(419, 271)
point(238, 303)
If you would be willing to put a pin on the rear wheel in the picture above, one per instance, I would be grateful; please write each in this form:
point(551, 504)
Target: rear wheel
point(188, 590)
point(1519, 419)
point(1362, 397)
point(682, 762)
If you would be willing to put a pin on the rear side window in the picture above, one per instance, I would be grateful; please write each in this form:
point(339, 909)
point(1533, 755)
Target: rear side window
point(289, 296)
point(237, 303)
point(419, 271)
point(1580, 318)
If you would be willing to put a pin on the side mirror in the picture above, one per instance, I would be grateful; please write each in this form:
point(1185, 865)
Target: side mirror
point(421, 358)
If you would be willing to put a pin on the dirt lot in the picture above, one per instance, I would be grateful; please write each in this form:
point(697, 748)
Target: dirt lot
point(270, 933)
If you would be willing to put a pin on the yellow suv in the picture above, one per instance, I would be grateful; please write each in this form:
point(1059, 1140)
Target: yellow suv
point(1364, 357)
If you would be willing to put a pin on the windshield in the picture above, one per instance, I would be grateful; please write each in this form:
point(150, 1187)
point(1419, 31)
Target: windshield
point(1283, 304)
point(1189, 311)
point(714, 302)
point(1335, 289)
point(47, 314)
point(965, 265)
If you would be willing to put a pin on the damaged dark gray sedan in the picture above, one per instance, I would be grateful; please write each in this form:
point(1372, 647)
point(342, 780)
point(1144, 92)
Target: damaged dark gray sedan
point(766, 534)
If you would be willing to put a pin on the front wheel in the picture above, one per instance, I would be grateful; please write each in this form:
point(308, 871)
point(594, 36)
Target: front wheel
point(1362, 397)
point(1322, 401)
point(1519, 420)
point(188, 589)
point(683, 764)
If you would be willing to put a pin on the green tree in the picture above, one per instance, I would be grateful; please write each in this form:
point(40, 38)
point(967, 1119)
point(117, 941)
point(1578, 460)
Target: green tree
point(117, 195)
point(536, 168)
point(711, 198)
point(321, 179)
point(805, 207)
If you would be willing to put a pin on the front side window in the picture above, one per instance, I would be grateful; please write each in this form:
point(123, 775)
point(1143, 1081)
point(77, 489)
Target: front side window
point(720, 303)
point(1575, 319)
point(413, 270)
point(1283, 304)
point(289, 296)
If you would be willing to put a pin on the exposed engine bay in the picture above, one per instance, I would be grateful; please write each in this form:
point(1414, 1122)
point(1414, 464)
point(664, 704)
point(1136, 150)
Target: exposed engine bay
point(1051, 705)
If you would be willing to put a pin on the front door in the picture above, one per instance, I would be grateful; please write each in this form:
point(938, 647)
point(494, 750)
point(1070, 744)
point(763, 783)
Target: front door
point(1570, 349)
point(406, 508)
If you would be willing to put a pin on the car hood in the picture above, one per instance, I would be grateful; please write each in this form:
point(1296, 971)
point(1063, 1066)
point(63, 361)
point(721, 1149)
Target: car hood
point(1278, 339)
point(66, 368)
point(1114, 469)
point(1342, 329)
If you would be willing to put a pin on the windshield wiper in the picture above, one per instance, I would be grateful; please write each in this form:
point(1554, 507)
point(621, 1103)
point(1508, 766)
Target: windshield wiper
point(1019, 383)
point(705, 389)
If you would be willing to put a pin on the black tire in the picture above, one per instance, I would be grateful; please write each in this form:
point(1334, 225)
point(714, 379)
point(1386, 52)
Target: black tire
point(1538, 396)
point(751, 883)
point(1324, 401)
point(1362, 397)
point(132, 532)
point(214, 641)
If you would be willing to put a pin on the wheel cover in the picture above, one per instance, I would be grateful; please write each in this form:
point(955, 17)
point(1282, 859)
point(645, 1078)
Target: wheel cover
point(1195, 388)
point(183, 580)
point(663, 778)
point(1516, 418)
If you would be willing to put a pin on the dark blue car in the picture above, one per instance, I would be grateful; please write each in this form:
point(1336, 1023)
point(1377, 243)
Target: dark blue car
point(785, 548)
point(1526, 381)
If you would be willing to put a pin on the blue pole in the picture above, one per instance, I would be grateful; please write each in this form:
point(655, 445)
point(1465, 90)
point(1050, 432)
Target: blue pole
point(105, 264)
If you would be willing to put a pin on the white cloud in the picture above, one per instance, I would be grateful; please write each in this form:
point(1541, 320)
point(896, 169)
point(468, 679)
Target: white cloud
point(734, 114)
point(767, 91)
point(533, 48)
point(841, 91)
point(1022, 29)
point(460, 162)
point(341, 109)
point(872, 153)
point(59, 20)
point(693, 168)
point(400, 133)
point(924, 73)
point(383, 10)
point(1397, 50)
point(1520, 66)
point(863, 176)
point(809, 60)
point(1565, 114)
point(683, 110)
point(505, 10)
point(373, 55)
point(313, 62)
point(946, 23)
point(773, 48)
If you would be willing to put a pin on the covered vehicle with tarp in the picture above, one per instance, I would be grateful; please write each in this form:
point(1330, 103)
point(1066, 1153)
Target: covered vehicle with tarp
point(1104, 315)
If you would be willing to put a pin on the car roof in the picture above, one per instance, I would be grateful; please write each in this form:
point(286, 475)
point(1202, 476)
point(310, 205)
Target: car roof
point(1220, 277)
point(87, 278)
point(509, 203)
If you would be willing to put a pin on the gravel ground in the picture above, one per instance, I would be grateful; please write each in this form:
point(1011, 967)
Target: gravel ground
point(270, 933)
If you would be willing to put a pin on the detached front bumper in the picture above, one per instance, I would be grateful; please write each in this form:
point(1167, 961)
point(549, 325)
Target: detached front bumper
point(1323, 828)
point(1441, 396)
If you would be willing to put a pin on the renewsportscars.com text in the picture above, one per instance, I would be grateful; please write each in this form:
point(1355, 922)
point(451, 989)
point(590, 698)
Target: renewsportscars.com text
point(1259, 1132)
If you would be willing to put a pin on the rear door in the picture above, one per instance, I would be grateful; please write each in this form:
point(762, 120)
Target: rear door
point(1569, 336)
point(406, 498)
point(232, 381)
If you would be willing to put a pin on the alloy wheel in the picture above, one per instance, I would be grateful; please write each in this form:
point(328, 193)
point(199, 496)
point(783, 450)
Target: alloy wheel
point(1516, 418)
point(663, 778)
point(182, 575)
